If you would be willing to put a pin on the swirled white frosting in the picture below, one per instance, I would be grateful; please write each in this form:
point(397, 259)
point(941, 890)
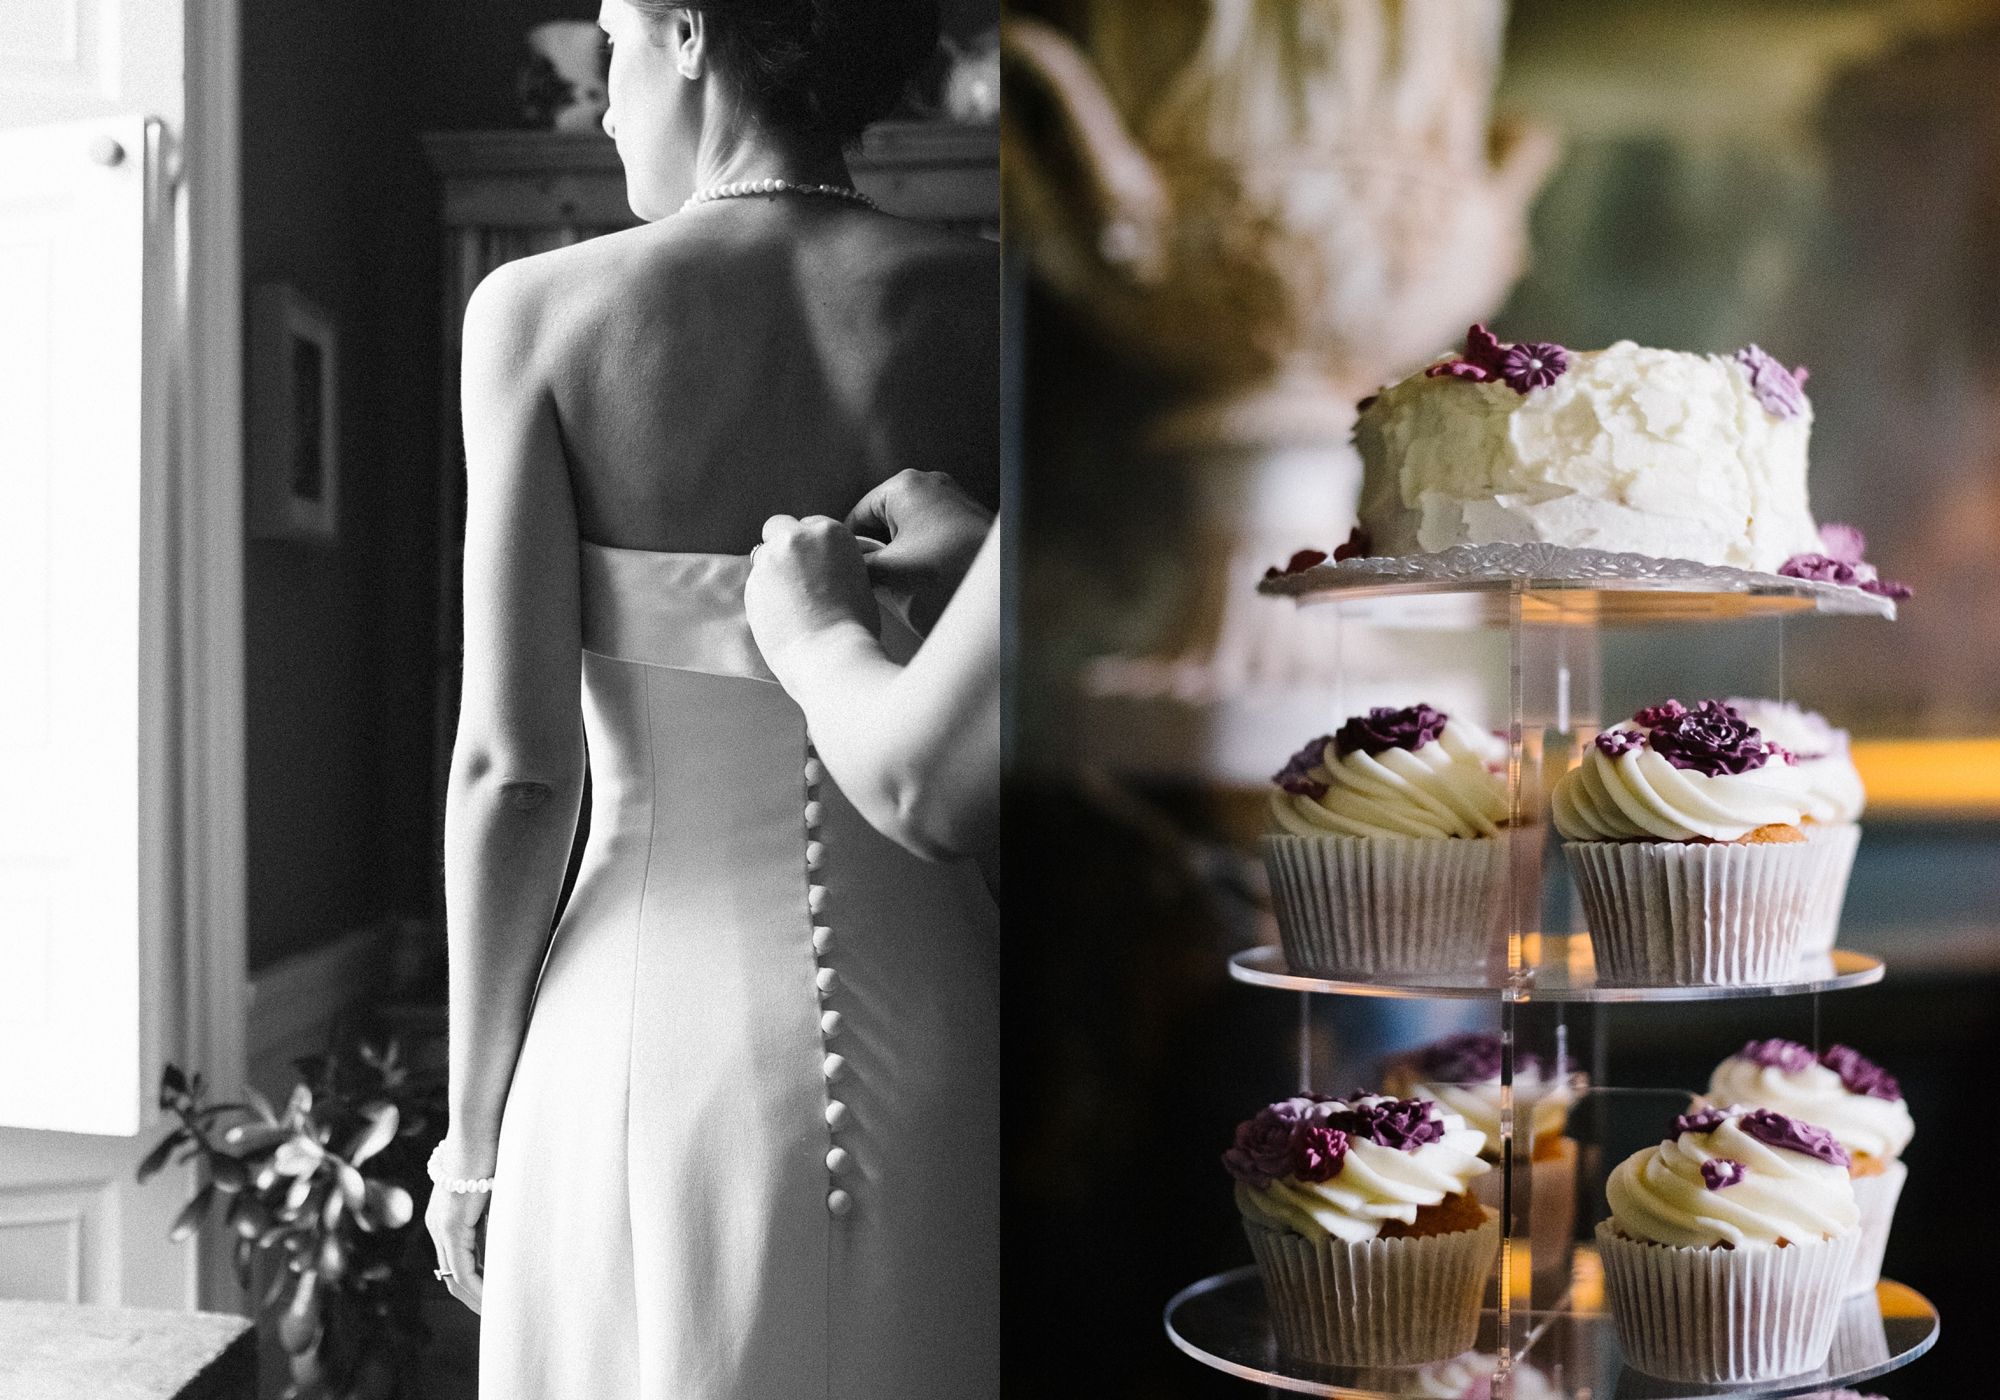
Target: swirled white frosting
point(1445, 788)
point(1832, 782)
point(1862, 1123)
point(1543, 1102)
point(1652, 451)
point(1639, 796)
point(1375, 1184)
point(1658, 1193)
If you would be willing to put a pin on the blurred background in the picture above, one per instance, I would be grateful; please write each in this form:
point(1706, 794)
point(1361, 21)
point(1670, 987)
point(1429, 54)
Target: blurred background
point(1229, 221)
point(239, 240)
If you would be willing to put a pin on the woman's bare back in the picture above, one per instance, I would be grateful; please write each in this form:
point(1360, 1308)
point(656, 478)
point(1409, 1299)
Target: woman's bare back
point(761, 357)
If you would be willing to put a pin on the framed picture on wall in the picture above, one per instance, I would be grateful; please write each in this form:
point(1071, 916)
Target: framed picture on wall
point(294, 417)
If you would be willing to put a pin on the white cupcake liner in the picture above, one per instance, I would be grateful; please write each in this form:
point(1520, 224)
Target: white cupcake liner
point(1841, 840)
point(1666, 913)
point(1385, 905)
point(1551, 1222)
point(1724, 1316)
point(1876, 1195)
point(1861, 1341)
point(1396, 1302)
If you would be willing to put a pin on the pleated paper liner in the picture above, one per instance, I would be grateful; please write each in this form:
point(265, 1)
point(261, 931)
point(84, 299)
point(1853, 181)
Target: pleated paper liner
point(1665, 913)
point(1377, 906)
point(1823, 913)
point(1876, 1195)
point(1396, 1302)
point(1724, 1316)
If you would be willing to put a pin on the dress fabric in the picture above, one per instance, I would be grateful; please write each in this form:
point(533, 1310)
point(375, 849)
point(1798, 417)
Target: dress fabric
point(751, 1148)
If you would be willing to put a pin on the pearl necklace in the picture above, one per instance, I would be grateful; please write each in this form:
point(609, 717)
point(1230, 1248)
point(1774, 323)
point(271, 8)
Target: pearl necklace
point(743, 188)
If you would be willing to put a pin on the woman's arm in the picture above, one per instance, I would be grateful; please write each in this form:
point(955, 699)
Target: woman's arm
point(916, 748)
point(517, 767)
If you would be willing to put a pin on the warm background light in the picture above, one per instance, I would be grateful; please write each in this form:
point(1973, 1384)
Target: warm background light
point(1930, 777)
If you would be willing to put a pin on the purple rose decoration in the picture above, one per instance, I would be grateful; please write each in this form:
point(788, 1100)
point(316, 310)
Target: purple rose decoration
point(1471, 1057)
point(1775, 1129)
point(1358, 546)
point(1262, 1151)
point(1318, 1152)
point(1702, 1120)
point(1296, 776)
point(1300, 561)
point(1839, 561)
point(1653, 716)
point(1711, 738)
point(1859, 1074)
point(1402, 1124)
point(1787, 1055)
point(1781, 391)
point(1382, 729)
point(1718, 1172)
point(1845, 544)
point(1533, 365)
point(1613, 742)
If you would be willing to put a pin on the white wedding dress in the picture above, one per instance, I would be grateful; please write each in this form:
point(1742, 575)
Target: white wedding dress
point(751, 1151)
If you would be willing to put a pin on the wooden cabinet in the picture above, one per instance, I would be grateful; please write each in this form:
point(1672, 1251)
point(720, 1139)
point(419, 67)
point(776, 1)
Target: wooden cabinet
point(511, 194)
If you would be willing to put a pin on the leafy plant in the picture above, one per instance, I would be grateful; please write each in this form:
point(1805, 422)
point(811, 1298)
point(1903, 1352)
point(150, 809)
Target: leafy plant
point(323, 1194)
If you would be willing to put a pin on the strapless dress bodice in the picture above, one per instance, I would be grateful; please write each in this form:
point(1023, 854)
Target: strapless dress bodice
point(684, 611)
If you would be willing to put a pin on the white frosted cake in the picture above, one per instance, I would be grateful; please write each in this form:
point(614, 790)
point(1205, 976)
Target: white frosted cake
point(1654, 452)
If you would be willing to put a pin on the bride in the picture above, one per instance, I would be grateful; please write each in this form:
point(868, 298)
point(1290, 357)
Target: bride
point(737, 1119)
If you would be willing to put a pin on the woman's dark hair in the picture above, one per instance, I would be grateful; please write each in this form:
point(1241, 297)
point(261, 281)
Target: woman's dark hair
point(824, 66)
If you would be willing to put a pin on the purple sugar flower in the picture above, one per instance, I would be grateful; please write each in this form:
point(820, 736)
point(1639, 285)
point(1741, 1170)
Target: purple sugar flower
point(1711, 738)
point(1781, 391)
point(1296, 776)
point(1358, 546)
point(1719, 1172)
point(1613, 742)
point(1300, 561)
point(1318, 1152)
point(1262, 1151)
point(1839, 561)
point(1653, 716)
point(1702, 1120)
point(1533, 365)
point(1528, 365)
point(1402, 1124)
point(1787, 1055)
point(1859, 1074)
point(1775, 1129)
point(1383, 728)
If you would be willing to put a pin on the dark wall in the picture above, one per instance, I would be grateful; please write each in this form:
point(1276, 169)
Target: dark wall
point(337, 202)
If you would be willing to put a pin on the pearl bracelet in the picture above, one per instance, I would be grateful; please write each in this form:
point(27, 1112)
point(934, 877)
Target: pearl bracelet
point(457, 1185)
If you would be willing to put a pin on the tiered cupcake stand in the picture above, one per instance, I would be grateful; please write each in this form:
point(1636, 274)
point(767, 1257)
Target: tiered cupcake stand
point(1555, 605)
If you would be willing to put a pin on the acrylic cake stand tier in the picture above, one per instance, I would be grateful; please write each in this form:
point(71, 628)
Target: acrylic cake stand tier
point(1223, 1322)
point(1553, 968)
point(1554, 584)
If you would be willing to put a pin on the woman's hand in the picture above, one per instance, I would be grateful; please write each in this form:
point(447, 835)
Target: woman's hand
point(931, 532)
point(453, 1221)
point(807, 581)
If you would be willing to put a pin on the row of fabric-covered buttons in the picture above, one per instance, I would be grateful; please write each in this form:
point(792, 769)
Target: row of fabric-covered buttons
point(838, 1201)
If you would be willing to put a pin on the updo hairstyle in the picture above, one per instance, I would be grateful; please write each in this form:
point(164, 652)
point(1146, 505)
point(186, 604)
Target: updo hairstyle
point(828, 67)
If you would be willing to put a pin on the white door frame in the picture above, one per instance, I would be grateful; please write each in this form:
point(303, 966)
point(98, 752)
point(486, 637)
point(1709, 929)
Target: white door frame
point(209, 492)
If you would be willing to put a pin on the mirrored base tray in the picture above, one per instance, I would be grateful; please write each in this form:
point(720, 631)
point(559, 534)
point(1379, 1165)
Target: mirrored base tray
point(1553, 969)
point(1222, 1322)
point(1557, 585)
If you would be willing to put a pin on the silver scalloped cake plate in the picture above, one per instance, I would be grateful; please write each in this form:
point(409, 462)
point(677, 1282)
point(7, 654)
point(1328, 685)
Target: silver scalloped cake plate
point(1558, 584)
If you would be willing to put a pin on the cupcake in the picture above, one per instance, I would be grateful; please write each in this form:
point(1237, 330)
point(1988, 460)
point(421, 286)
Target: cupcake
point(1372, 1248)
point(1728, 1247)
point(1387, 857)
point(1856, 1101)
point(1834, 799)
point(1461, 1074)
point(1684, 830)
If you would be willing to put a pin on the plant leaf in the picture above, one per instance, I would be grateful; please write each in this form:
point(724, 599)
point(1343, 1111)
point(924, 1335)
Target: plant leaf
point(299, 1327)
point(393, 1206)
point(299, 1105)
point(254, 1139)
point(295, 1198)
point(378, 1134)
point(299, 1155)
point(162, 1150)
point(352, 1185)
point(260, 1105)
point(189, 1220)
